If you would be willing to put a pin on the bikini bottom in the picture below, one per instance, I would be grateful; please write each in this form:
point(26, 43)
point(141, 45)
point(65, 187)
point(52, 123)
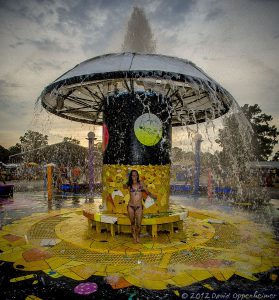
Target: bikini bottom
point(135, 207)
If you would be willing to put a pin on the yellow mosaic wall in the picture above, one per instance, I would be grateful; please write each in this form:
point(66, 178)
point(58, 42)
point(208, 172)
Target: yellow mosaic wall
point(116, 194)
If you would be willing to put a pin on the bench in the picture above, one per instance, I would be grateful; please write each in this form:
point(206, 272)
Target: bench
point(120, 223)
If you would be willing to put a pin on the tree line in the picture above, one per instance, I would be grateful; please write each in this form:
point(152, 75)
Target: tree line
point(29, 141)
point(251, 139)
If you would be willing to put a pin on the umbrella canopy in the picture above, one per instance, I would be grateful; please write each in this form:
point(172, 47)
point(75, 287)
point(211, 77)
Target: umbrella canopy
point(80, 93)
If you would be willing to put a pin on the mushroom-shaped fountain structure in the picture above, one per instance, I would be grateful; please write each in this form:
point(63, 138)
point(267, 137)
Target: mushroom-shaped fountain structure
point(137, 98)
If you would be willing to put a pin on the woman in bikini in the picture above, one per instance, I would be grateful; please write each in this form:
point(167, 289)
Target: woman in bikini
point(135, 208)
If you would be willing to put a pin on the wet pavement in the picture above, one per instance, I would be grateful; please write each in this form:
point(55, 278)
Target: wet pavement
point(48, 252)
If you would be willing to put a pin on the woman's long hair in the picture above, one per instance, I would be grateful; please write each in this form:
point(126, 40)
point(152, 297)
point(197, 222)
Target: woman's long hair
point(130, 181)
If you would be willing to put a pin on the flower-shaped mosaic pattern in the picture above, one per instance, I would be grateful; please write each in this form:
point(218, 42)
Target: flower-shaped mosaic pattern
point(212, 244)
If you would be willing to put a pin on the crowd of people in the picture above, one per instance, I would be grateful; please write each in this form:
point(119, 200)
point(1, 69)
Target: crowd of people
point(68, 175)
point(61, 174)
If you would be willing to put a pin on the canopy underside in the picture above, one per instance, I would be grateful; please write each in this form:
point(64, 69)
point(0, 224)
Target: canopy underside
point(190, 102)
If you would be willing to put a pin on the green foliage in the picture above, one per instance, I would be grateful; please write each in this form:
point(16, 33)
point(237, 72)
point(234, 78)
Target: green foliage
point(71, 140)
point(265, 135)
point(235, 140)
point(33, 140)
point(15, 149)
point(208, 160)
point(4, 154)
point(276, 156)
point(182, 158)
point(246, 139)
point(247, 136)
point(178, 156)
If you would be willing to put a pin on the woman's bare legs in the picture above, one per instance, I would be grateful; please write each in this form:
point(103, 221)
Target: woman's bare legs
point(138, 217)
point(131, 214)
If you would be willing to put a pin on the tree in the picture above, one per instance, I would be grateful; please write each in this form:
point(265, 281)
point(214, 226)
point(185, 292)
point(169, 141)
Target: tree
point(233, 170)
point(179, 156)
point(247, 136)
point(33, 140)
point(235, 140)
point(15, 149)
point(176, 154)
point(71, 140)
point(276, 156)
point(4, 154)
point(265, 135)
point(208, 160)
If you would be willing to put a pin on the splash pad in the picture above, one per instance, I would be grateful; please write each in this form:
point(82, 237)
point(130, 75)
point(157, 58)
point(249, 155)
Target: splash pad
point(213, 247)
point(137, 98)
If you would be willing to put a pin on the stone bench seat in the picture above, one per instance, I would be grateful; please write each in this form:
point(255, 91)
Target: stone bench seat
point(120, 223)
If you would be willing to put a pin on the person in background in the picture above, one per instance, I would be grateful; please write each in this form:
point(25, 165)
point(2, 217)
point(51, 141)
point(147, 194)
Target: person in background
point(76, 172)
point(2, 174)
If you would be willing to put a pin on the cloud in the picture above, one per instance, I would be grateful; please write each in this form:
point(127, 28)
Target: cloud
point(30, 10)
point(7, 93)
point(6, 84)
point(214, 14)
point(42, 65)
point(235, 42)
point(44, 44)
point(172, 14)
point(14, 108)
point(17, 44)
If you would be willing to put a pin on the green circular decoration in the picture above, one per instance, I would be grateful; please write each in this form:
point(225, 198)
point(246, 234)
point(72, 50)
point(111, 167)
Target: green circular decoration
point(148, 129)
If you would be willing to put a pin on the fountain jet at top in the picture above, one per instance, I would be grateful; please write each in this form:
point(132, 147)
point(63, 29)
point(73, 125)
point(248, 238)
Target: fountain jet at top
point(139, 37)
point(137, 97)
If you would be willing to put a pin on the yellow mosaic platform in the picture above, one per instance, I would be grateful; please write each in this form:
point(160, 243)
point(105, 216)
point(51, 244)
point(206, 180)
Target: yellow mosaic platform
point(120, 223)
point(61, 244)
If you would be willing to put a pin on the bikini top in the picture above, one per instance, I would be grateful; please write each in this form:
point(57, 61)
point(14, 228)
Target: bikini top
point(139, 189)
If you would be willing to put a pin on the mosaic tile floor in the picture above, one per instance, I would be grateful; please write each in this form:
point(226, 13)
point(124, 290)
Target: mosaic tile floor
point(214, 248)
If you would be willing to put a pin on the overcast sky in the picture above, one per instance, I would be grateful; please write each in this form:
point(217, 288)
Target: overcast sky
point(235, 42)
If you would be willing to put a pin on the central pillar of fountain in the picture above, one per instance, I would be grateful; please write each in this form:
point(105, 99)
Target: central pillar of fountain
point(136, 136)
